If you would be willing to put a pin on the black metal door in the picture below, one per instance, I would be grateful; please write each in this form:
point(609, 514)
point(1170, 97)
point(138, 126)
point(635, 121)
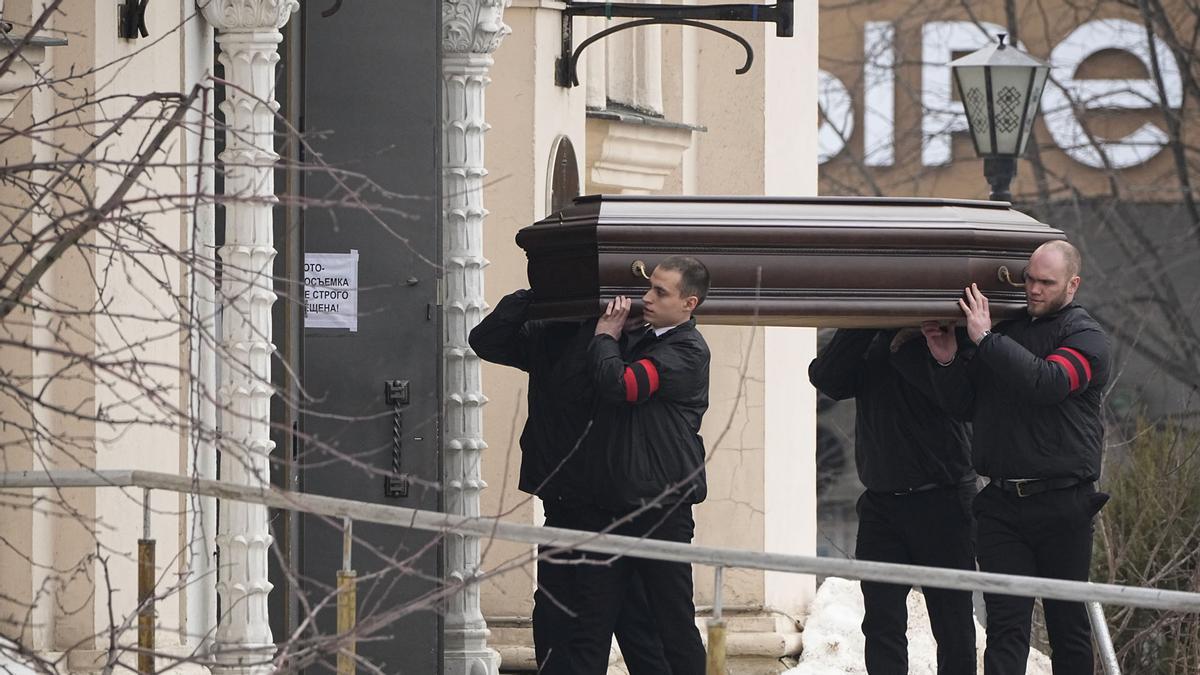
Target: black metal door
point(373, 380)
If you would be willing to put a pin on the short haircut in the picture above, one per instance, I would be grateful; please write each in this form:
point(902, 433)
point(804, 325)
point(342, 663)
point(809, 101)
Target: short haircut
point(693, 276)
point(1069, 253)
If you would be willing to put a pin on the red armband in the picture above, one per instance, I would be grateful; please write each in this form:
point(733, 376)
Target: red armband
point(1076, 365)
point(641, 381)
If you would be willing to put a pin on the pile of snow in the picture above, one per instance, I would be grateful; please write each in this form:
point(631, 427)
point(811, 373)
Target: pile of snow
point(833, 639)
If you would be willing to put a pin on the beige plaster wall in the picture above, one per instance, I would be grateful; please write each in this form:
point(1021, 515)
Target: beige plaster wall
point(790, 164)
point(16, 584)
point(527, 113)
point(762, 144)
point(51, 540)
point(152, 444)
point(729, 160)
point(734, 434)
point(760, 140)
point(75, 601)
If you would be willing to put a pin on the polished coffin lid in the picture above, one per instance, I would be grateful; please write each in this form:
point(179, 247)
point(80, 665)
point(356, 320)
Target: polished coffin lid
point(812, 261)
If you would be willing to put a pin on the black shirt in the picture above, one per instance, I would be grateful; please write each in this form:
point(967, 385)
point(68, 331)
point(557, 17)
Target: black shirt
point(1033, 389)
point(653, 393)
point(903, 438)
point(560, 396)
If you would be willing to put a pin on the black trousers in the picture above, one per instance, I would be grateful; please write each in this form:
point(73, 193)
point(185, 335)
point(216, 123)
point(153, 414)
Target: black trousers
point(556, 606)
point(1048, 534)
point(931, 528)
point(602, 592)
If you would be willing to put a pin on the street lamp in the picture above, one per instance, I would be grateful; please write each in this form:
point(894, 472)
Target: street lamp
point(1000, 87)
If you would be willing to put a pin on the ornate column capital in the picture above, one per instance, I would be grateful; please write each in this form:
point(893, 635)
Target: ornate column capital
point(473, 26)
point(247, 16)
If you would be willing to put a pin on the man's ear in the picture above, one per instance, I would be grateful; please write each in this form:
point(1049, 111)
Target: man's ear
point(691, 302)
point(1073, 284)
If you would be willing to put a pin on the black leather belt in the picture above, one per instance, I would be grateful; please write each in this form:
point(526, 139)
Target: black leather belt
point(1028, 488)
point(920, 488)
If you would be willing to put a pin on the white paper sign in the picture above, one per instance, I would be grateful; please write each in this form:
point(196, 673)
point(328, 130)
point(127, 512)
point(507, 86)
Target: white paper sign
point(331, 290)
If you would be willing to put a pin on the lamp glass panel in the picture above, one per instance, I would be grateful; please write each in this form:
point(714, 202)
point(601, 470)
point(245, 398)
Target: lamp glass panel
point(1035, 100)
point(1010, 94)
point(972, 85)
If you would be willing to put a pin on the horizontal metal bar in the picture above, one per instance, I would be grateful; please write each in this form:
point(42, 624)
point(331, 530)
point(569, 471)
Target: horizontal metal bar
point(625, 10)
point(431, 521)
point(67, 478)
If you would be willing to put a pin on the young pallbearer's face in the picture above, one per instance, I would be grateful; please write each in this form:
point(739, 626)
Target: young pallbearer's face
point(664, 304)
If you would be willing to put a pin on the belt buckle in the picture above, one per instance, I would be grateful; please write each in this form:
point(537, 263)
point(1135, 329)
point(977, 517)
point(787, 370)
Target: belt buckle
point(1021, 489)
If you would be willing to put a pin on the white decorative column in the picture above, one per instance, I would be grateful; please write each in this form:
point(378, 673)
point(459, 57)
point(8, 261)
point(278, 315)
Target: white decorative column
point(248, 36)
point(471, 31)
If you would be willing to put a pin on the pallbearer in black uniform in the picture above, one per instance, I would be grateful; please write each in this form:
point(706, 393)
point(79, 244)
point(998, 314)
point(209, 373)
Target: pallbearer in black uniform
point(1033, 388)
point(913, 459)
point(652, 390)
point(561, 403)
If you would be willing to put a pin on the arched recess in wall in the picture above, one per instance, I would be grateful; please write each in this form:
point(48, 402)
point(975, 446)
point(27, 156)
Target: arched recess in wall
point(562, 180)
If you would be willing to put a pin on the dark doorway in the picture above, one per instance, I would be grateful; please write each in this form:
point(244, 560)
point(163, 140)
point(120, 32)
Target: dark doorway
point(372, 339)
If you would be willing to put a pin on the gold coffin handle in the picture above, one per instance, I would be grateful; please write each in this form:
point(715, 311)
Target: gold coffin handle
point(639, 269)
point(1003, 275)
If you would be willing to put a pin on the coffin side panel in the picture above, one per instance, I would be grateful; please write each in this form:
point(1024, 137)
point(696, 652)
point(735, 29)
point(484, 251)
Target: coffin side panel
point(788, 262)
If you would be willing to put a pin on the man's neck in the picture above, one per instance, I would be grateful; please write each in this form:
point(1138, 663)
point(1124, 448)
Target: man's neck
point(658, 332)
point(1051, 315)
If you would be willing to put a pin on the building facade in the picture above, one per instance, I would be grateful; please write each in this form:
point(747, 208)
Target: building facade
point(1108, 163)
point(154, 336)
point(653, 115)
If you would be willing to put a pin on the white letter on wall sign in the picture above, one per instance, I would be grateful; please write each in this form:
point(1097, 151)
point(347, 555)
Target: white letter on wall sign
point(879, 93)
point(942, 115)
point(836, 116)
point(1063, 90)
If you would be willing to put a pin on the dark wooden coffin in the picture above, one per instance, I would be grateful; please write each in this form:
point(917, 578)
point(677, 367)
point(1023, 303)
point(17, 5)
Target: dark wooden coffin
point(821, 261)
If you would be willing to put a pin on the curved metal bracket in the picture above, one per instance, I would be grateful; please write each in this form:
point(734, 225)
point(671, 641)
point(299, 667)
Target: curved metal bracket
point(132, 19)
point(337, 5)
point(571, 74)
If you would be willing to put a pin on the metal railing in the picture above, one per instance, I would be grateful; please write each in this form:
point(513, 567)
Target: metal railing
point(1093, 594)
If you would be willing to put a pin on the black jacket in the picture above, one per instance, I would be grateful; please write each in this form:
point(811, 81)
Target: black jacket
point(653, 392)
point(903, 439)
point(1033, 390)
point(560, 397)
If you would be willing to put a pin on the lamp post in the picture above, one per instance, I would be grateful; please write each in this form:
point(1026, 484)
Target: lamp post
point(1000, 87)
